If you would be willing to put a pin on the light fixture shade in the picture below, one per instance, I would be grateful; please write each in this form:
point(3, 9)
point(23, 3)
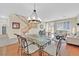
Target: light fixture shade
point(34, 17)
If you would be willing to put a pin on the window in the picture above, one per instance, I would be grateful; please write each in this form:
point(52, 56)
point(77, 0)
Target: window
point(67, 25)
point(63, 25)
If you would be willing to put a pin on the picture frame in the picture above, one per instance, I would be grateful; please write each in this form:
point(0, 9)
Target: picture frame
point(15, 25)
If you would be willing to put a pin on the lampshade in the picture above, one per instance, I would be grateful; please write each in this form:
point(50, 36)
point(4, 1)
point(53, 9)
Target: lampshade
point(34, 16)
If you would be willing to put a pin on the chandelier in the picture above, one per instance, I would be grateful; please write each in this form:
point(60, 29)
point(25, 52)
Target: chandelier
point(34, 16)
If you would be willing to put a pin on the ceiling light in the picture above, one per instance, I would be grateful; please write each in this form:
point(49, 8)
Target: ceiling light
point(34, 16)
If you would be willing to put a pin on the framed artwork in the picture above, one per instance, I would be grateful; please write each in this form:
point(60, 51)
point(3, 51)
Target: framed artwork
point(15, 25)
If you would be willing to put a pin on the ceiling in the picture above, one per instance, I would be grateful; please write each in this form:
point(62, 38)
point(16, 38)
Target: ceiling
point(46, 11)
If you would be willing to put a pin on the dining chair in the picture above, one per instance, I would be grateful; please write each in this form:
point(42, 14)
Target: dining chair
point(20, 44)
point(27, 48)
point(60, 45)
point(54, 49)
point(51, 49)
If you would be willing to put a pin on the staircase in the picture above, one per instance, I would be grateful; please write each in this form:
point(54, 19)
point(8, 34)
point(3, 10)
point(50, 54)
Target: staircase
point(29, 25)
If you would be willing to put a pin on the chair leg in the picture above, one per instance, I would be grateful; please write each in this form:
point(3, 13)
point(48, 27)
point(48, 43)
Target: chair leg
point(18, 50)
point(25, 54)
point(29, 55)
point(22, 52)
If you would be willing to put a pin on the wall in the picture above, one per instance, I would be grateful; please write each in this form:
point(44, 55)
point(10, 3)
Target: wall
point(31, 27)
point(11, 32)
point(73, 22)
point(74, 25)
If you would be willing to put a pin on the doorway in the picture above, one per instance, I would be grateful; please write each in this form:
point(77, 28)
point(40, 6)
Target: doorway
point(3, 29)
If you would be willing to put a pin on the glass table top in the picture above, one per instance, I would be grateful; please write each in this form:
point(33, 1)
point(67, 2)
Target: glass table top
point(41, 40)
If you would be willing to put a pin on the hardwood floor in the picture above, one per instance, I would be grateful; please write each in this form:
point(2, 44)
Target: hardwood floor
point(11, 50)
point(73, 50)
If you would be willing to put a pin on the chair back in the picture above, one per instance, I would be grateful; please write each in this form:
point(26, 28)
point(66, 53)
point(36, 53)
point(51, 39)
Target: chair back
point(22, 42)
point(60, 38)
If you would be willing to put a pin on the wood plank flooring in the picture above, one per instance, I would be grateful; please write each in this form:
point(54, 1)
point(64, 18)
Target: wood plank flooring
point(11, 50)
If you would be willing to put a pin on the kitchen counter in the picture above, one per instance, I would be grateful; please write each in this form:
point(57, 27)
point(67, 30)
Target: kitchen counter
point(5, 42)
point(73, 40)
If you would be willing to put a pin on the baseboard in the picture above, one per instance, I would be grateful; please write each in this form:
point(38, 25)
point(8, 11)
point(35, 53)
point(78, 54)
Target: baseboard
point(73, 44)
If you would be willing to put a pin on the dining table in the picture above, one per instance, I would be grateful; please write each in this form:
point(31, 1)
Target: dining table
point(41, 41)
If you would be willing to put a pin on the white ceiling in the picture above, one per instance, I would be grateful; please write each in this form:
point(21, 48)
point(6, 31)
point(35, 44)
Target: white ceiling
point(44, 10)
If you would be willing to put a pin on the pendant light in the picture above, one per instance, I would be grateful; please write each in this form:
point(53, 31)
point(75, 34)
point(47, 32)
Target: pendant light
point(34, 16)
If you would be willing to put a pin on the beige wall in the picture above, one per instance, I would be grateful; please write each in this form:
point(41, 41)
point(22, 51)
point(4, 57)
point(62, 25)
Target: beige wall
point(11, 32)
point(74, 25)
point(28, 27)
